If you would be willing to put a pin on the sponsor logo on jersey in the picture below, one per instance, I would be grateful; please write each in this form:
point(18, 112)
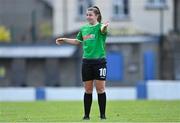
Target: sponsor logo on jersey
point(90, 36)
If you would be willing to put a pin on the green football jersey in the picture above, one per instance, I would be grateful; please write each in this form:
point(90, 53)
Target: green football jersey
point(93, 41)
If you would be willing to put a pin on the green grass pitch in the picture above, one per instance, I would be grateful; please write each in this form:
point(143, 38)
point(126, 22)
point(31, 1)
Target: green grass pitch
point(72, 111)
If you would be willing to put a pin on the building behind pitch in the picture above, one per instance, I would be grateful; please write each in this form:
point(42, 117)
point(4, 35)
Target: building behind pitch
point(133, 43)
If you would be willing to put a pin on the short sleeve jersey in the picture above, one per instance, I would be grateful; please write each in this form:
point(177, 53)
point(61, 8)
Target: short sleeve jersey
point(93, 41)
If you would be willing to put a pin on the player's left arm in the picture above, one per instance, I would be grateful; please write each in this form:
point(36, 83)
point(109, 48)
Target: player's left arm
point(104, 27)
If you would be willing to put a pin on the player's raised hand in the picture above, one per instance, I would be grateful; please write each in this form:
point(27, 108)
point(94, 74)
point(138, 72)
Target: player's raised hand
point(106, 24)
point(104, 27)
point(59, 41)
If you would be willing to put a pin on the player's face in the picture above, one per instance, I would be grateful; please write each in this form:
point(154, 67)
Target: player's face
point(91, 17)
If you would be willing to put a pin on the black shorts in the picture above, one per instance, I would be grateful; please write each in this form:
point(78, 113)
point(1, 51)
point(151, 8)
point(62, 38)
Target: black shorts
point(94, 69)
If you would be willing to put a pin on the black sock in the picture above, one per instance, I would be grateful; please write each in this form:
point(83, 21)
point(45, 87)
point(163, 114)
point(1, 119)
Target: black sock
point(102, 103)
point(87, 103)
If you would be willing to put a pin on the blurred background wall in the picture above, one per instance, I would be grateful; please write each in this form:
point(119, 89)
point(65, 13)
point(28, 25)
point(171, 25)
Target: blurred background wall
point(142, 44)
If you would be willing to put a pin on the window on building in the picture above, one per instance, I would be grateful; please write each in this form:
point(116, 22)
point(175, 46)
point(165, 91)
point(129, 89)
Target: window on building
point(18, 69)
point(120, 9)
point(82, 7)
point(156, 3)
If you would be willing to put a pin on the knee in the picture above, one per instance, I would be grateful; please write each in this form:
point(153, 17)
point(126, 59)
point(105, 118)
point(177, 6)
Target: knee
point(100, 90)
point(89, 90)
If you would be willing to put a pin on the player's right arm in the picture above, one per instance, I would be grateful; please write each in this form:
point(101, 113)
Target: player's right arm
point(75, 41)
point(60, 41)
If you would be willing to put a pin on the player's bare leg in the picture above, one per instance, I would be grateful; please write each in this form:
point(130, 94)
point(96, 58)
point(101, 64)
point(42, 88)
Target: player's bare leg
point(88, 86)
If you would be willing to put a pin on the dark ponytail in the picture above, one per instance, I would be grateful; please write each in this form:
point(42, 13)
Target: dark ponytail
point(96, 10)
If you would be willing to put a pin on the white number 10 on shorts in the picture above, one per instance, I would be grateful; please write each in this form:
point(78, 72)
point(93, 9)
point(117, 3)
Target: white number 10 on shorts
point(102, 72)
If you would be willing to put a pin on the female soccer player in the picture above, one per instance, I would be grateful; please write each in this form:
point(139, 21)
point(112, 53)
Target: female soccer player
point(92, 36)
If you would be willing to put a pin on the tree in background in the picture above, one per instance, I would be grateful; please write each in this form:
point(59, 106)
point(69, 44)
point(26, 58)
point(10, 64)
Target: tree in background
point(5, 35)
point(45, 30)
